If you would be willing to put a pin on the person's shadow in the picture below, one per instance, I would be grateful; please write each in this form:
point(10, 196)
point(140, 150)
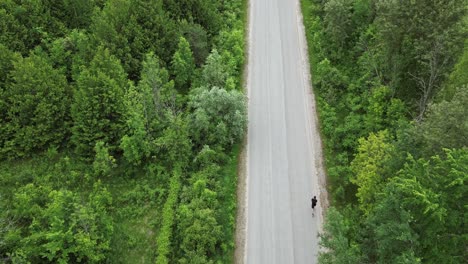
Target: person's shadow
point(313, 212)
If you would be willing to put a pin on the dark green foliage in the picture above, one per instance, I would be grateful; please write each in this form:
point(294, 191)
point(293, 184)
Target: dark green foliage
point(7, 58)
point(98, 104)
point(74, 14)
point(202, 12)
point(128, 28)
point(417, 55)
point(197, 37)
point(445, 126)
point(36, 102)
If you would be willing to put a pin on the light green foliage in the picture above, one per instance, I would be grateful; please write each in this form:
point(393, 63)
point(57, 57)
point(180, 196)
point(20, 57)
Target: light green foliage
point(334, 239)
point(370, 166)
point(207, 157)
point(164, 237)
point(156, 90)
point(435, 193)
point(60, 226)
point(458, 78)
point(215, 72)
point(136, 144)
point(103, 162)
point(174, 145)
point(36, 102)
point(383, 110)
point(98, 104)
point(200, 231)
point(420, 213)
point(183, 64)
point(231, 45)
point(219, 117)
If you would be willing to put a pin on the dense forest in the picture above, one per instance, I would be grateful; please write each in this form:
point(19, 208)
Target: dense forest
point(120, 124)
point(391, 79)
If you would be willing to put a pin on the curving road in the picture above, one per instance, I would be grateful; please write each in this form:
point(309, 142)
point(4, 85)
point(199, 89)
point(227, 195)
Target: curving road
point(284, 164)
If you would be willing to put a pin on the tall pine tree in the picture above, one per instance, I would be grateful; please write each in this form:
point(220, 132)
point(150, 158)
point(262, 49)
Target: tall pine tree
point(98, 104)
point(36, 103)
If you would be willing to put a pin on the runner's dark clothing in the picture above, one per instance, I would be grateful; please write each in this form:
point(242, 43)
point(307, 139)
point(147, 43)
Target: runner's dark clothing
point(314, 202)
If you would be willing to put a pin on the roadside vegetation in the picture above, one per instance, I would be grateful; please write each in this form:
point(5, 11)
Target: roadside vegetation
point(120, 125)
point(391, 83)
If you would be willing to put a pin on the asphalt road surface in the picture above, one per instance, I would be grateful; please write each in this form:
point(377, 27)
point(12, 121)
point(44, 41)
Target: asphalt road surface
point(284, 164)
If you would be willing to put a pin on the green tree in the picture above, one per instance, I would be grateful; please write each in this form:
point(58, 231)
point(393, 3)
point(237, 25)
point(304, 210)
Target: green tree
point(214, 71)
point(59, 226)
point(132, 28)
point(395, 239)
point(419, 54)
point(458, 78)
point(136, 143)
point(157, 91)
point(371, 168)
point(27, 24)
point(174, 145)
point(7, 58)
point(183, 64)
point(383, 111)
point(231, 45)
point(199, 230)
point(98, 106)
point(337, 23)
point(218, 118)
point(445, 126)
point(334, 239)
point(419, 214)
point(434, 192)
point(78, 13)
point(197, 37)
point(37, 105)
point(103, 162)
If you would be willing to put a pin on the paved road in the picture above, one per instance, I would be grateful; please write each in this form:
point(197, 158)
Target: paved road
point(284, 154)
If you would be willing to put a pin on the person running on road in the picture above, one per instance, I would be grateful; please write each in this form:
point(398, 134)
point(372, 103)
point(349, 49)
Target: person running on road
point(314, 202)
